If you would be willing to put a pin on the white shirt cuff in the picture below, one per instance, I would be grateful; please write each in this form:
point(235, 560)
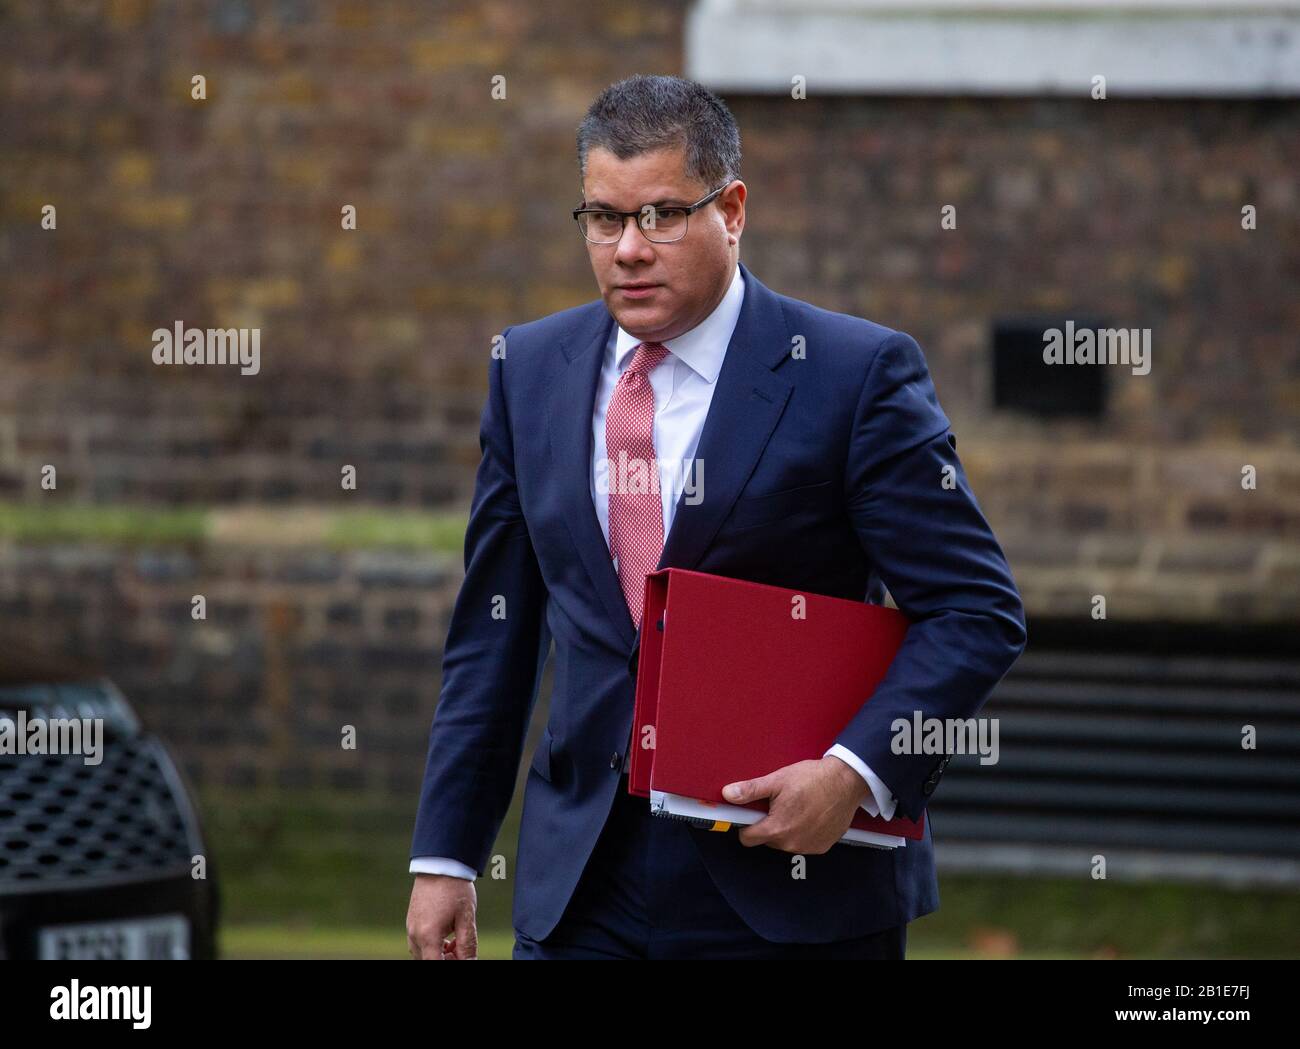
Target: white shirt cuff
point(442, 865)
point(882, 799)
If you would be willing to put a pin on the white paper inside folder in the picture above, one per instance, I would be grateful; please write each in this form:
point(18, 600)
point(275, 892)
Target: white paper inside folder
point(665, 804)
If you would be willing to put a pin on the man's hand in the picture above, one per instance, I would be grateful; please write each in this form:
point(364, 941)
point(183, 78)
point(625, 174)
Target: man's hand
point(812, 804)
point(442, 908)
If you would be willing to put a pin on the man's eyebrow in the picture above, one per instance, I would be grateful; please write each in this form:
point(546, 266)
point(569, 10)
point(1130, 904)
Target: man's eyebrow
point(662, 202)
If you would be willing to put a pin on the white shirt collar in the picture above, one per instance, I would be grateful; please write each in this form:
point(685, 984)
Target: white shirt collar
point(703, 347)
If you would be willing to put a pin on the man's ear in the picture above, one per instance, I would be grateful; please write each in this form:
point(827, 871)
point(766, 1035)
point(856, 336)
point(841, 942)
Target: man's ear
point(732, 202)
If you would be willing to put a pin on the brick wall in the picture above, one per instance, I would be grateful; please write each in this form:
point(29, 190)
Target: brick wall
point(226, 212)
point(295, 645)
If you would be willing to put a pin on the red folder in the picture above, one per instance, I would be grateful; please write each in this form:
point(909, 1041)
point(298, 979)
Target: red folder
point(738, 679)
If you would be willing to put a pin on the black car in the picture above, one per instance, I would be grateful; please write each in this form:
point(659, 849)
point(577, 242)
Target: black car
point(97, 860)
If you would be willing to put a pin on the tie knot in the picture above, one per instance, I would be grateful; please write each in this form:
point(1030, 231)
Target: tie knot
point(647, 356)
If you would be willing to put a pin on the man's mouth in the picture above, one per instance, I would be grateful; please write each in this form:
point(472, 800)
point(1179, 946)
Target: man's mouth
point(639, 289)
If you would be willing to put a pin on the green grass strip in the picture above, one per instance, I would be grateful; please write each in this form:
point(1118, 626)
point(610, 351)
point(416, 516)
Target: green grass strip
point(443, 532)
point(57, 523)
point(129, 525)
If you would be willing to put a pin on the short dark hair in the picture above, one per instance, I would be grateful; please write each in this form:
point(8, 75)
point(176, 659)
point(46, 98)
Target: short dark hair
point(643, 113)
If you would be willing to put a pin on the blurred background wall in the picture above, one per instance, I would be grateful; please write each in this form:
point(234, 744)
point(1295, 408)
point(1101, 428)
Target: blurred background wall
point(329, 606)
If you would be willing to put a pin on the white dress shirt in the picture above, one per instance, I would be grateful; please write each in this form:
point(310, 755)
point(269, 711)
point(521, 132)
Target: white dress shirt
point(683, 384)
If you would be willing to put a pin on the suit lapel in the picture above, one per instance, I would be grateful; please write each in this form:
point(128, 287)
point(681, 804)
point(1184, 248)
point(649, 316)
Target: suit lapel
point(746, 405)
point(571, 406)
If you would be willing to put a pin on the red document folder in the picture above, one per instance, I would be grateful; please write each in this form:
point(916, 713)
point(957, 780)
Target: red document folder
point(735, 684)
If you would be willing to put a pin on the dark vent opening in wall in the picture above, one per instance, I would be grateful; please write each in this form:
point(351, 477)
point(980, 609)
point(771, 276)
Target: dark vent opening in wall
point(1024, 382)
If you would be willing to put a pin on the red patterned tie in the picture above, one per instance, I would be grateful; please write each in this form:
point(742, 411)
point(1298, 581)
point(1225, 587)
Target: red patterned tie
point(636, 517)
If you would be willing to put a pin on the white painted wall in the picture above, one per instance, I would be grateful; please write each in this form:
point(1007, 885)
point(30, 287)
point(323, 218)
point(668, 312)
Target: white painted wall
point(1002, 47)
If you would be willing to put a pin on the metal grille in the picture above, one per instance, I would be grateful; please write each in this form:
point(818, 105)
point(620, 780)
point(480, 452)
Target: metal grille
point(1139, 758)
point(61, 819)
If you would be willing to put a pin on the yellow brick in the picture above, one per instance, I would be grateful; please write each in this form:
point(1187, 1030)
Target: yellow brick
point(1050, 299)
point(155, 212)
point(111, 130)
point(1288, 397)
point(435, 54)
point(630, 21)
point(270, 50)
point(344, 253)
point(464, 24)
point(954, 183)
point(354, 16)
point(482, 221)
point(123, 14)
point(132, 170)
point(404, 330)
point(254, 295)
point(467, 141)
point(460, 297)
point(222, 292)
point(553, 298)
point(373, 217)
point(131, 332)
point(296, 170)
point(20, 206)
point(272, 292)
point(1047, 146)
point(295, 89)
point(130, 287)
point(1173, 272)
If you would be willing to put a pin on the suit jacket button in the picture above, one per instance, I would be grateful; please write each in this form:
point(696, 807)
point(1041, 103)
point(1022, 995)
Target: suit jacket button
point(928, 789)
point(615, 759)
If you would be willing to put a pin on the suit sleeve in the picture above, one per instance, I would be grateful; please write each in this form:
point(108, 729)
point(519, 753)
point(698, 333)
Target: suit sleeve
point(917, 519)
point(442, 865)
point(496, 647)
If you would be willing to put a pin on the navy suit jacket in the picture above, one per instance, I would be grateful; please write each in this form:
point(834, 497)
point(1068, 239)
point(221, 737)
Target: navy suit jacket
point(822, 472)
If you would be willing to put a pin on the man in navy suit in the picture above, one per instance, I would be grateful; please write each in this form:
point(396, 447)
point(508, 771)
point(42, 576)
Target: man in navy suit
point(786, 445)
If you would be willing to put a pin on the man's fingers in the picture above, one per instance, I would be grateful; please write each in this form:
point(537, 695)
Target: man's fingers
point(414, 940)
point(744, 791)
point(427, 948)
point(440, 920)
point(747, 790)
point(466, 939)
point(759, 833)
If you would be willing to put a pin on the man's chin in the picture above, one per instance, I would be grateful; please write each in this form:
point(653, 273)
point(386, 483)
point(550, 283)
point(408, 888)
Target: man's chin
point(642, 321)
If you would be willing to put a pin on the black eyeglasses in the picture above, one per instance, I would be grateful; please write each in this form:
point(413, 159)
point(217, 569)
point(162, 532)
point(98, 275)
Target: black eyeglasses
point(661, 225)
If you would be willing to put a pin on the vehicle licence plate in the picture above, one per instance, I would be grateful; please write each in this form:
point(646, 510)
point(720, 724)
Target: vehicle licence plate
point(164, 937)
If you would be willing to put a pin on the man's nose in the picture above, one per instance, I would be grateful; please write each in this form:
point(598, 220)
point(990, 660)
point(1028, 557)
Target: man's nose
point(632, 245)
